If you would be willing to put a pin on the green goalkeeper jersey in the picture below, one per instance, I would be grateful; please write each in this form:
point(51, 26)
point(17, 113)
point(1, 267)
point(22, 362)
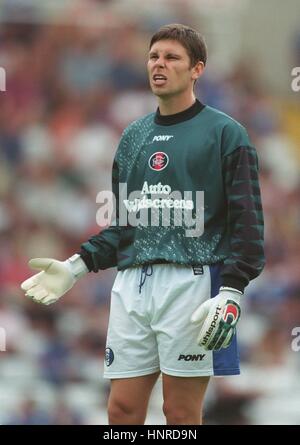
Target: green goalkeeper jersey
point(187, 192)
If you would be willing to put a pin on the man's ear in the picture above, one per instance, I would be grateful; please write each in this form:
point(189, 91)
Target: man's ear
point(197, 70)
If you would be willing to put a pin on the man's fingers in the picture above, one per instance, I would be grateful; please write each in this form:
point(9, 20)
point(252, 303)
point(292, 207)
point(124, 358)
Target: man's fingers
point(218, 320)
point(229, 338)
point(217, 342)
point(36, 291)
point(40, 263)
point(50, 299)
point(40, 294)
point(30, 282)
point(213, 332)
point(31, 291)
point(201, 312)
point(221, 339)
point(206, 333)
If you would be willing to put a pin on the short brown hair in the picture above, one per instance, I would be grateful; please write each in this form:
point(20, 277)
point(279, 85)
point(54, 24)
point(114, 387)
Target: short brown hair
point(191, 39)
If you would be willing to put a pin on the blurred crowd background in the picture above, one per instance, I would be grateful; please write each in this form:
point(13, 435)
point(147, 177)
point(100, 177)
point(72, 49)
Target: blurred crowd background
point(75, 78)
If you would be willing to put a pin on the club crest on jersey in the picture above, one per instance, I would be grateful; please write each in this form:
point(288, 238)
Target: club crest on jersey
point(109, 356)
point(158, 161)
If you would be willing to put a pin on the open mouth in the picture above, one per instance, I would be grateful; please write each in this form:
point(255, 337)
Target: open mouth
point(159, 79)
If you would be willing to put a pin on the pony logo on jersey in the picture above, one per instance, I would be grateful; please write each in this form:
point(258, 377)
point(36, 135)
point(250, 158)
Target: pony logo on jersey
point(162, 137)
point(231, 313)
point(158, 161)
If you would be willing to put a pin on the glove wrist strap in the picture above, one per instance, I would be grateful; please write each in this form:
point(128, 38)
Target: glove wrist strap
point(231, 289)
point(77, 266)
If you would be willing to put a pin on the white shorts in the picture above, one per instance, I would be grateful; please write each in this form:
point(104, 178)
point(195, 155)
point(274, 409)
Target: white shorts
point(149, 325)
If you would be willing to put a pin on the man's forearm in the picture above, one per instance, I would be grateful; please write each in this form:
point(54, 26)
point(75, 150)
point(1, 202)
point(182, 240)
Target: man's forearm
point(245, 219)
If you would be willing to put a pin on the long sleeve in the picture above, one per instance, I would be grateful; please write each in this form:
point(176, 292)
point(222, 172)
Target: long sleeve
point(100, 251)
point(244, 218)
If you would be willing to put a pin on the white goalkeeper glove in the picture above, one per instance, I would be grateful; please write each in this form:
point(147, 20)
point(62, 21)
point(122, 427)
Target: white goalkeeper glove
point(217, 318)
point(54, 280)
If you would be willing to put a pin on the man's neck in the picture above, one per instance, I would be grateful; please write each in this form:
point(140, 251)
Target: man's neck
point(173, 105)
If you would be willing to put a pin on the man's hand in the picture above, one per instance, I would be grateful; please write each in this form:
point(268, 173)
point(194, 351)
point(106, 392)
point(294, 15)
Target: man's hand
point(217, 318)
point(54, 280)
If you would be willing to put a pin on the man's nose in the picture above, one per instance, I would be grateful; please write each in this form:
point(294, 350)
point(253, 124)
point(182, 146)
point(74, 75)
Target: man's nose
point(160, 62)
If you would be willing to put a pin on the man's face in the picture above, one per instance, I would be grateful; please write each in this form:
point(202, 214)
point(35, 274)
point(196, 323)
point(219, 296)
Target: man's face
point(169, 69)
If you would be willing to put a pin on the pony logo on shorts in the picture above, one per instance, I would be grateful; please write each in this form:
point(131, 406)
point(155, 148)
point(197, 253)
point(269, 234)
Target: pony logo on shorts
point(158, 161)
point(109, 356)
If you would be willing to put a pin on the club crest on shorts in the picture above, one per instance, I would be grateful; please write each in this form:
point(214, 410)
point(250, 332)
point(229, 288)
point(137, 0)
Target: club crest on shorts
point(158, 161)
point(109, 356)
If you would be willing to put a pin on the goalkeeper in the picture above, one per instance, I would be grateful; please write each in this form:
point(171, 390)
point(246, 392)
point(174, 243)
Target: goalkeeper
point(176, 299)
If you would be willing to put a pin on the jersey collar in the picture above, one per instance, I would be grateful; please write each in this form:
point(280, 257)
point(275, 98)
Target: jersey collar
point(182, 116)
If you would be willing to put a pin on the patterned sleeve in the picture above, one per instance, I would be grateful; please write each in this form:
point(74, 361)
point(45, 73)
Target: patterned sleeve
point(244, 218)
